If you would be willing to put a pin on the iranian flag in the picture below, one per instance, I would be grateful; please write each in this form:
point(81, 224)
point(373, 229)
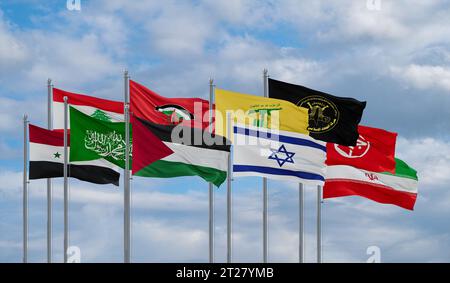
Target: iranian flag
point(94, 139)
point(102, 109)
point(193, 155)
point(47, 160)
point(398, 189)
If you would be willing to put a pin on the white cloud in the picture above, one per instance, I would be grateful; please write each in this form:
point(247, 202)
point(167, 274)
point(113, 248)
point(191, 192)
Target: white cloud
point(424, 76)
point(12, 50)
point(429, 156)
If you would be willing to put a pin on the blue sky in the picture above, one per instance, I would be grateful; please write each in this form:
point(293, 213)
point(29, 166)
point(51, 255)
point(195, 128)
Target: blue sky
point(396, 57)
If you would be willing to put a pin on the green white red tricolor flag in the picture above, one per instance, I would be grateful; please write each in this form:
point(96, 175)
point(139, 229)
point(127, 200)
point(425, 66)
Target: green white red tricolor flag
point(398, 189)
point(370, 170)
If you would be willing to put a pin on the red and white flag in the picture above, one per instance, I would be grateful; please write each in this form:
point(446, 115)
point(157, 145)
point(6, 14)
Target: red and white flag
point(99, 108)
point(374, 151)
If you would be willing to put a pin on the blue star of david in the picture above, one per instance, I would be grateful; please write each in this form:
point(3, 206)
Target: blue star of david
point(282, 151)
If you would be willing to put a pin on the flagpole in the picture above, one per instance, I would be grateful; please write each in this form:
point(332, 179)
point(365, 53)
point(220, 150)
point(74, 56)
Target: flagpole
point(66, 183)
point(211, 188)
point(127, 193)
point(229, 200)
point(49, 181)
point(301, 250)
point(319, 224)
point(265, 193)
point(25, 189)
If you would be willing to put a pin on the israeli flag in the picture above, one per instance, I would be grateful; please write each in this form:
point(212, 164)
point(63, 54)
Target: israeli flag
point(278, 155)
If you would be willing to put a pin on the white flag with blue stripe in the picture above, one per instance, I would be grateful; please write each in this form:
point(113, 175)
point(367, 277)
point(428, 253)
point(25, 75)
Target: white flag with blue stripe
point(278, 155)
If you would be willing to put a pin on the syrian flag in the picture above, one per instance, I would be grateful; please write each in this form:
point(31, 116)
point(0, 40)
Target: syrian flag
point(102, 109)
point(398, 189)
point(47, 160)
point(148, 105)
point(374, 151)
point(193, 155)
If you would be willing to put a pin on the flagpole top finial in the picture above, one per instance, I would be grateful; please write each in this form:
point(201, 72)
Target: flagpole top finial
point(211, 80)
point(25, 117)
point(65, 98)
point(49, 81)
point(265, 71)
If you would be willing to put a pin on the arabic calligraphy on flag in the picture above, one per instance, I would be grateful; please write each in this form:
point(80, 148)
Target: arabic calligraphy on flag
point(92, 139)
point(111, 144)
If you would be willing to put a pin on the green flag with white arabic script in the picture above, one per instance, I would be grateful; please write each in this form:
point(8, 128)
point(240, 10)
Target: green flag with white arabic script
point(92, 138)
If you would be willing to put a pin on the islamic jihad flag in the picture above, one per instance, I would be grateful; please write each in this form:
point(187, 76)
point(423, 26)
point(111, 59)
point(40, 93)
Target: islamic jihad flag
point(195, 152)
point(331, 119)
point(257, 111)
point(93, 139)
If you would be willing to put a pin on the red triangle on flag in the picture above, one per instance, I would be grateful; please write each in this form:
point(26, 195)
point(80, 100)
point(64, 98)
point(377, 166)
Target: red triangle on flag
point(147, 148)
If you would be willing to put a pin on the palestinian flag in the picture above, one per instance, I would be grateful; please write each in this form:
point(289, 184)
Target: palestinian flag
point(193, 155)
point(94, 139)
point(398, 189)
point(147, 104)
point(47, 160)
point(102, 109)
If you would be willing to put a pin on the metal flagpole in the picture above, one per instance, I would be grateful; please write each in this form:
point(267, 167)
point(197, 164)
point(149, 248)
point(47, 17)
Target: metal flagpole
point(66, 183)
point(301, 250)
point(127, 193)
point(211, 188)
point(49, 181)
point(319, 224)
point(229, 199)
point(25, 189)
point(265, 194)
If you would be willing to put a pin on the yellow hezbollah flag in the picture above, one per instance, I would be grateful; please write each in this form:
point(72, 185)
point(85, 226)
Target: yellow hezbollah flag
point(258, 111)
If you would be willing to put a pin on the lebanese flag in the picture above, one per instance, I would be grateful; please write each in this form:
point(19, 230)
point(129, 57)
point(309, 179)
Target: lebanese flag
point(152, 107)
point(102, 109)
point(374, 151)
point(47, 160)
point(398, 189)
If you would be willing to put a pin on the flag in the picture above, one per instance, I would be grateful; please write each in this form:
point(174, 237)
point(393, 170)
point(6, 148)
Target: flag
point(193, 154)
point(149, 105)
point(47, 160)
point(281, 155)
point(259, 112)
point(144, 154)
point(374, 151)
point(93, 139)
point(398, 189)
point(102, 109)
point(331, 118)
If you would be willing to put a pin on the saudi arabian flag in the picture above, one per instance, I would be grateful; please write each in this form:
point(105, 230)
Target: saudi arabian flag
point(92, 138)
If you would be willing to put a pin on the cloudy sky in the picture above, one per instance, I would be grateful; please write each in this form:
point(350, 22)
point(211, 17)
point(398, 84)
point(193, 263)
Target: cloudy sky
point(395, 55)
